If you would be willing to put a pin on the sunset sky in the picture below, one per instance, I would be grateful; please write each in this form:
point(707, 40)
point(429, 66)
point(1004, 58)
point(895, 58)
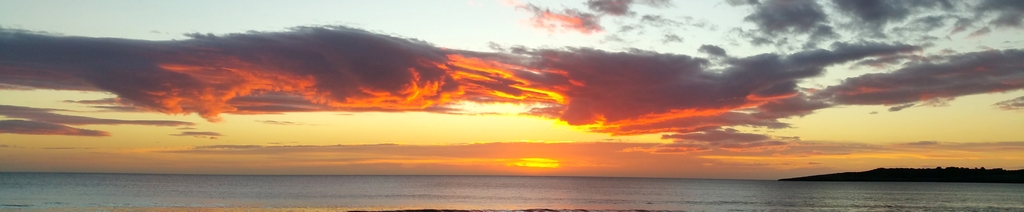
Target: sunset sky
point(742, 89)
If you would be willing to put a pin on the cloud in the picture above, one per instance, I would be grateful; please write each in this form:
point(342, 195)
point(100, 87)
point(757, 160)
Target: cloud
point(639, 91)
point(712, 50)
point(280, 122)
point(874, 15)
point(199, 134)
point(785, 22)
point(799, 105)
point(43, 128)
point(104, 101)
point(204, 73)
point(727, 139)
point(47, 115)
point(195, 133)
point(344, 69)
point(569, 19)
point(274, 103)
point(980, 32)
point(933, 81)
point(923, 143)
point(901, 107)
point(1009, 13)
point(774, 18)
point(611, 7)
point(885, 61)
point(622, 7)
point(1012, 104)
point(110, 104)
point(671, 38)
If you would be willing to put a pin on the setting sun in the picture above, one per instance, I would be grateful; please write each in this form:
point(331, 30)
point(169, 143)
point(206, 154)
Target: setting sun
point(535, 163)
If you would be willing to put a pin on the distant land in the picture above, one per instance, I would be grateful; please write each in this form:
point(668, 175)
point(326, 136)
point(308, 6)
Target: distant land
point(938, 174)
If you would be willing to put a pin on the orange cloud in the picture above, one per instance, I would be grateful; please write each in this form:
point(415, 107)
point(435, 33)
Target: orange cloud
point(570, 19)
point(344, 69)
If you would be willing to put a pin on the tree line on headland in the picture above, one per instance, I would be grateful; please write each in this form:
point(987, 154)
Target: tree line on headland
point(938, 174)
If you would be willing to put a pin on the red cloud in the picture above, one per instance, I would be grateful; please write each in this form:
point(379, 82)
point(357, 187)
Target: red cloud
point(570, 19)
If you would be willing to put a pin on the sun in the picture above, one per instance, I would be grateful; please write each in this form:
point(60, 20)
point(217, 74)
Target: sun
point(535, 163)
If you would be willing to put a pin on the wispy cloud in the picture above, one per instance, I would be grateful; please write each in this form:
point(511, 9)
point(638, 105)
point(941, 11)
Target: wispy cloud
point(1012, 104)
point(43, 128)
point(48, 115)
point(199, 134)
point(280, 122)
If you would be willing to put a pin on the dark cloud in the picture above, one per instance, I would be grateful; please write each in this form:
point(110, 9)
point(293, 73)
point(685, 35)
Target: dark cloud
point(713, 50)
point(779, 18)
point(1009, 13)
point(668, 23)
point(344, 69)
point(110, 104)
point(727, 135)
point(43, 128)
point(1012, 104)
point(104, 101)
point(980, 32)
point(639, 92)
point(884, 61)
point(48, 115)
point(901, 107)
point(622, 7)
point(846, 52)
point(926, 23)
point(338, 67)
point(935, 80)
point(798, 105)
point(611, 7)
point(743, 2)
point(658, 21)
point(671, 38)
point(874, 15)
point(728, 139)
point(197, 133)
point(569, 19)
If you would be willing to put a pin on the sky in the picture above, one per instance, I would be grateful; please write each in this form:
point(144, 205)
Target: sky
point(736, 89)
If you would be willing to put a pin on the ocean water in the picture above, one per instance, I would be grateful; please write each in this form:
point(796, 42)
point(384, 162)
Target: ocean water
point(62, 191)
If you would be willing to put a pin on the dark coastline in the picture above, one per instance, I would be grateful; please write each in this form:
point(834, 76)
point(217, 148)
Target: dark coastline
point(949, 174)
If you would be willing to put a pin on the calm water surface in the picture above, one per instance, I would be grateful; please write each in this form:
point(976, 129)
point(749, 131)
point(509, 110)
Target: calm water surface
point(56, 191)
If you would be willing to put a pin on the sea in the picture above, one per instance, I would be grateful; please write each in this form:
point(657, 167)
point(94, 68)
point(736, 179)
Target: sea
point(159, 192)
